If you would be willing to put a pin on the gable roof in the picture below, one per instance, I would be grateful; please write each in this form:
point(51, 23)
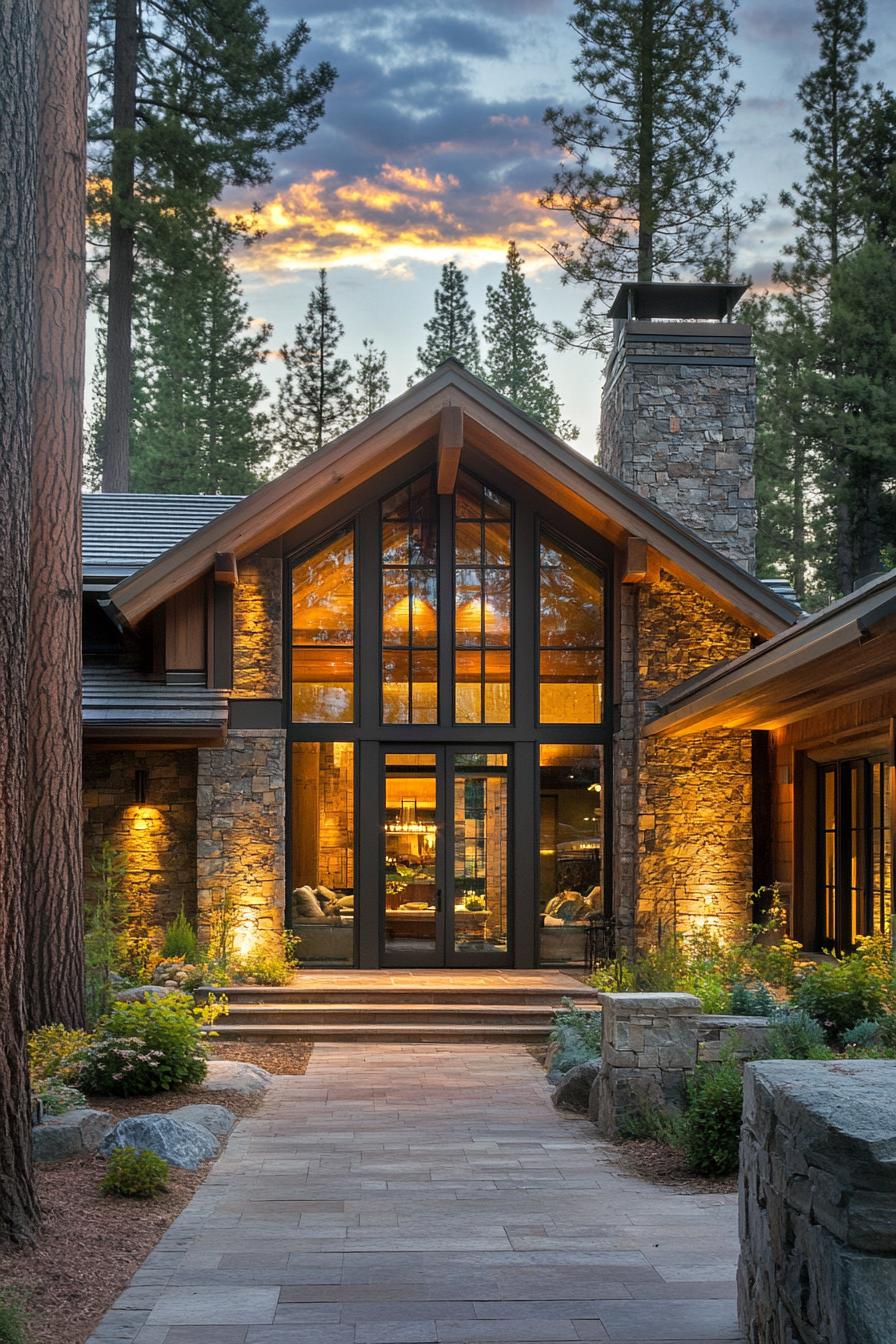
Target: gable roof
point(497, 428)
point(122, 533)
point(843, 653)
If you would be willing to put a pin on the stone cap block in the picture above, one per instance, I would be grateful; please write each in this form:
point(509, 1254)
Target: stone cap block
point(651, 1005)
point(732, 1020)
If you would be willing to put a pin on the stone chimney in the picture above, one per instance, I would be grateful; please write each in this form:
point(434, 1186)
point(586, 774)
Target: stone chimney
point(678, 413)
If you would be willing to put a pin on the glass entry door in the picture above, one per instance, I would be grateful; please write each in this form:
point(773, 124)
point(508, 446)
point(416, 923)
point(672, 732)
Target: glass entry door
point(445, 873)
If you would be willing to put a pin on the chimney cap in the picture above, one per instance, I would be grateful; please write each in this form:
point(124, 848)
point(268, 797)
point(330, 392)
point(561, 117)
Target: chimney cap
point(643, 300)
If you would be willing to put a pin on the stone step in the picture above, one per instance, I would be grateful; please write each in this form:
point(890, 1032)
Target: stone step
point(399, 1013)
point(401, 993)
point(378, 1031)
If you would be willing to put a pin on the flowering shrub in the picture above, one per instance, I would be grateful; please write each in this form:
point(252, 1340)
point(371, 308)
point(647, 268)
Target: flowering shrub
point(148, 1046)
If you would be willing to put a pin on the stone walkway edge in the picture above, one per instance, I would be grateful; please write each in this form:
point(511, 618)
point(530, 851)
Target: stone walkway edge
point(412, 1194)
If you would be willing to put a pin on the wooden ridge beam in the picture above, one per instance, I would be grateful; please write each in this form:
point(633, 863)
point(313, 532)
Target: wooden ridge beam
point(451, 441)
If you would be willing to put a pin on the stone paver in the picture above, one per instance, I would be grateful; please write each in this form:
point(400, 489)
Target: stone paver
point(429, 1195)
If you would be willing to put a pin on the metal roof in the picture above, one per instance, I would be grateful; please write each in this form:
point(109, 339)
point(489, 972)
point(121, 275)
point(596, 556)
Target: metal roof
point(120, 703)
point(122, 533)
point(653, 300)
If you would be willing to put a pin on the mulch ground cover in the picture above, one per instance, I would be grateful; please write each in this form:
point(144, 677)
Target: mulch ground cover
point(90, 1244)
point(658, 1162)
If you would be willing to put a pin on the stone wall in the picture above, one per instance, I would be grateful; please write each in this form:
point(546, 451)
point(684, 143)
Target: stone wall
point(683, 840)
point(258, 629)
point(817, 1201)
point(648, 1051)
point(680, 428)
point(240, 831)
point(157, 838)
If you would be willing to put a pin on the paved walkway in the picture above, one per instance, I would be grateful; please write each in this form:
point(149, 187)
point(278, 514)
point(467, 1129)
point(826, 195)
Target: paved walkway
point(429, 1195)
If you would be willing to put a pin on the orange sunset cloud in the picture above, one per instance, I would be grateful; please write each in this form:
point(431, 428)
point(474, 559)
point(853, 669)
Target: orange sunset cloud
point(397, 216)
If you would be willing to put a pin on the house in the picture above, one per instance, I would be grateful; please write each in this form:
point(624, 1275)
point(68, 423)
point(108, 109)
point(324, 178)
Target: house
point(411, 697)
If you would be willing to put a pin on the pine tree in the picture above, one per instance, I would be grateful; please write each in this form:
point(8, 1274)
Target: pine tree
point(826, 205)
point(188, 97)
point(644, 177)
point(514, 362)
point(314, 396)
point(371, 379)
point(198, 427)
point(451, 331)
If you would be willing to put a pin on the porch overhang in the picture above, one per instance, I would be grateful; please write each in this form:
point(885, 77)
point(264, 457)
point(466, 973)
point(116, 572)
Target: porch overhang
point(121, 708)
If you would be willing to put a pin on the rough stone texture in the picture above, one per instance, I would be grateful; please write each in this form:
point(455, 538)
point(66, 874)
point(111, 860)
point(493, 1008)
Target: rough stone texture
point(258, 629)
point(225, 1075)
point(140, 992)
point(720, 1033)
point(159, 838)
point(682, 806)
point(680, 432)
point(218, 1120)
point(817, 1201)
point(70, 1135)
point(241, 831)
point(649, 1050)
point(574, 1088)
point(181, 1144)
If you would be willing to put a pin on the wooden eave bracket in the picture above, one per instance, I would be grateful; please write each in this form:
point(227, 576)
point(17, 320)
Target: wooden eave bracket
point(642, 563)
point(226, 571)
point(451, 441)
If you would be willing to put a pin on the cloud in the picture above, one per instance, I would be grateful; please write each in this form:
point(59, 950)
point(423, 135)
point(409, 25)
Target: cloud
point(466, 37)
point(388, 220)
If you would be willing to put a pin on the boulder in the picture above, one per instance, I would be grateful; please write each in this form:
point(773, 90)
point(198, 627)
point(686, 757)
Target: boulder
point(140, 992)
point(218, 1120)
point(70, 1135)
point(574, 1088)
point(232, 1075)
point(177, 1141)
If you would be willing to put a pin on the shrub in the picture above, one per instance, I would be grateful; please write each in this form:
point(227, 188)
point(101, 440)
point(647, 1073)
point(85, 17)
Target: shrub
point(840, 994)
point(104, 927)
point(54, 1053)
point(796, 1035)
point(577, 1035)
point(12, 1320)
point(650, 1122)
point(148, 1046)
point(57, 1098)
point(136, 1175)
point(872, 1040)
point(180, 940)
point(754, 1000)
point(291, 944)
point(267, 968)
point(711, 1127)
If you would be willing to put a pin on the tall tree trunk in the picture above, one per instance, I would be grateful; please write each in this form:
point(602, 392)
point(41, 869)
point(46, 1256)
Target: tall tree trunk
point(799, 517)
point(19, 1212)
point(646, 145)
point(120, 308)
point(54, 961)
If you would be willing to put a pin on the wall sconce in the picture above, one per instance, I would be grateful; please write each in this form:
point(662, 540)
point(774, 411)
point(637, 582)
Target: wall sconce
point(141, 786)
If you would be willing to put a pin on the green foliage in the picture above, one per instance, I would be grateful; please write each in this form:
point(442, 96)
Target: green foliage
point(514, 361)
point(643, 176)
point(54, 1053)
point(315, 401)
point(180, 939)
point(796, 1035)
point(225, 919)
point(839, 994)
point(105, 927)
point(751, 1000)
point(711, 1129)
point(371, 379)
point(57, 1098)
point(291, 945)
point(135, 1175)
point(451, 331)
point(650, 1122)
point(863, 1036)
point(13, 1327)
point(266, 968)
point(576, 1032)
point(144, 1047)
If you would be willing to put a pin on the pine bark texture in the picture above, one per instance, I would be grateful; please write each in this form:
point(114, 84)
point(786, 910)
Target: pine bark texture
point(120, 311)
point(54, 964)
point(19, 1213)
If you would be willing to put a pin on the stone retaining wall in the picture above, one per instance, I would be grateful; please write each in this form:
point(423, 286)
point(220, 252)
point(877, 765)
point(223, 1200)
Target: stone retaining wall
point(818, 1203)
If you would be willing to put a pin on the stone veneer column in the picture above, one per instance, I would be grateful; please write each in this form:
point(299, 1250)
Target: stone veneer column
point(241, 830)
point(648, 1051)
point(677, 425)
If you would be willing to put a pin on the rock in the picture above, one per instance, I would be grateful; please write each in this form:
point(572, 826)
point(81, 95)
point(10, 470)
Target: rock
point(70, 1135)
point(140, 992)
point(178, 1142)
point(232, 1075)
point(574, 1088)
point(218, 1120)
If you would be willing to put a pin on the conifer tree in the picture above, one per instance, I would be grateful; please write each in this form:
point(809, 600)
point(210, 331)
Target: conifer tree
point(643, 176)
point(451, 331)
point(371, 379)
point(198, 424)
point(315, 399)
point(187, 97)
point(514, 362)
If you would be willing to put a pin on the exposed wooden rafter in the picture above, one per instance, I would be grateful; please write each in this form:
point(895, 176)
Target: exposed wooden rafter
point(451, 441)
point(642, 564)
point(226, 571)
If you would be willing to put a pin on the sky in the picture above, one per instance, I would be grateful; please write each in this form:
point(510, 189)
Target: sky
point(433, 148)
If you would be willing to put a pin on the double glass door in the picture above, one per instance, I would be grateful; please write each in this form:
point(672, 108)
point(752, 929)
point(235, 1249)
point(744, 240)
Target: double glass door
point(445, 888)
